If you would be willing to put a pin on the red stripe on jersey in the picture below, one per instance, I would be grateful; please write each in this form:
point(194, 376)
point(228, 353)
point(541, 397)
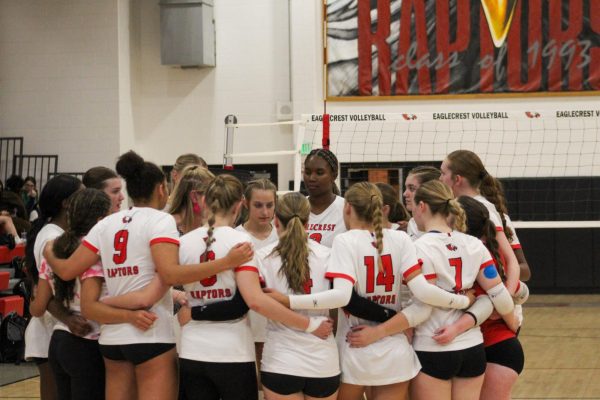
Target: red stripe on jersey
point(486, 264)
point(412, 269)
point(333, 275)
point(516, 246)
point(518, 286)
point(246, 268)
point(90, 246)
point(431, 276)
point(164, 240)
point(499, 229)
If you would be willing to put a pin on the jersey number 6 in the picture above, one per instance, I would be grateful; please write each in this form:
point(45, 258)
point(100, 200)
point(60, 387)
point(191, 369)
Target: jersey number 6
point(211, 280)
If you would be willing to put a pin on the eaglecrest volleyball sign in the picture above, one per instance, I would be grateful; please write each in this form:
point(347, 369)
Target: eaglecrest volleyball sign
point(429, 47)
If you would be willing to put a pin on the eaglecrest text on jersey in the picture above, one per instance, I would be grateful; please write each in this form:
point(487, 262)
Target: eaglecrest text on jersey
point(321, 227)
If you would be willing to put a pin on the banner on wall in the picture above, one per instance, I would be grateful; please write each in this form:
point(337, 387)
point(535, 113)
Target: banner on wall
point(432, 47)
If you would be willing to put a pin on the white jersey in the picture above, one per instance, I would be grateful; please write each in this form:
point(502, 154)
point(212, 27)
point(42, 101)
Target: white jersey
point(515, 243)
point(39, 330)
point(75, 304)
point(494, 214)
point(323, 227)
point(260, 243)
point(215, 341)
point(454, 259)
point(123, 241)
point(289, 351)
point(258, 323)
point(413, 230)
point(354, 257)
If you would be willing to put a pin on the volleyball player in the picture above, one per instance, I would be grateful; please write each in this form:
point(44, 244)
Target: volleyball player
point(76, 361)
point(108, 181)
point(455, 260)
point(134, 245)
point(259, 201)
point(51, 224)
point(415, 178)
point(465, 174)
point(394, 213)
point(374, 261)
point(296, 363)
point(225, 368)
point(187, 197)
point(319, 175)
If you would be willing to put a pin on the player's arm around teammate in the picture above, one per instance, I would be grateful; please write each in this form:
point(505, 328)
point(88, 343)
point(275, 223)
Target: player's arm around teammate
point(464, 172)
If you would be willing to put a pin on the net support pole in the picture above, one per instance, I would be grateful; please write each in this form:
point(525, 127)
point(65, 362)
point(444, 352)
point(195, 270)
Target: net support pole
point(229, 132)
point(298, 158)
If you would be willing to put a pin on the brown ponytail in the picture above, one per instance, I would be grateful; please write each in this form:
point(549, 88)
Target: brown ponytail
point(293, 210)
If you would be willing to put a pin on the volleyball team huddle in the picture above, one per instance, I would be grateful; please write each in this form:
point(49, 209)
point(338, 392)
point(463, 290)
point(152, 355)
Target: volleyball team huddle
point(349, 297)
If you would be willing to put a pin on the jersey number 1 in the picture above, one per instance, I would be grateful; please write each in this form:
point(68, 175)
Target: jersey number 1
point(120, 245)
point(384, 278)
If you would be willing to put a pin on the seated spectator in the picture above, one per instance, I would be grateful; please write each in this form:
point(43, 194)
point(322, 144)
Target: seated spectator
point(29, 195)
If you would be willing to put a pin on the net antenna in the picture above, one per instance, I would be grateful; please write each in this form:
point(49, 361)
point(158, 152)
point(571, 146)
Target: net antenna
point(232, 127)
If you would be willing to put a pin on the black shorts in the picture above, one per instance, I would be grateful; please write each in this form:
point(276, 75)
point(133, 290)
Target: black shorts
point(289, 384)
point(136, 354)
point(202, 380)
point(508, 353)
point(467, 363)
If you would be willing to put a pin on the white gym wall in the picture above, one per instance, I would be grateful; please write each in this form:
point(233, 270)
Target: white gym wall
point(83, 79)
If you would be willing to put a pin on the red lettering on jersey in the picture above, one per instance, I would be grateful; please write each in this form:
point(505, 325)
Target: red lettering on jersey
point(211, 280)
point(385, 277)
point(120, 245)
point(457, 264)
point(307, 286)
point(122, 271)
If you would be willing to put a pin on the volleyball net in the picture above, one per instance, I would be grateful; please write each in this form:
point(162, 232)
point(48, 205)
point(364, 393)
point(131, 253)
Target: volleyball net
point(547, 160)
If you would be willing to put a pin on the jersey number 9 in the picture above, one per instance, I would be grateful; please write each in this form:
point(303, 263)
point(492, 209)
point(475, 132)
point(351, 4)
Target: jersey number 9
point(120, 245)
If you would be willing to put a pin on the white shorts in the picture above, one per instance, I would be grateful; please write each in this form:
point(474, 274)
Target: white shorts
point(258, 324)
point(37, 336)
point(387, 361)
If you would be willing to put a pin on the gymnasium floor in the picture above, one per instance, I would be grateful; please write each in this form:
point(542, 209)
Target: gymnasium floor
point(561, 337)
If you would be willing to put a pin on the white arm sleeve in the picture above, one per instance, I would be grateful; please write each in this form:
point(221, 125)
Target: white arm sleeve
point(501, 299)
point(337, 297)
point(522, 293)
point(417, 312)
point(481, 309)
point(436, 296)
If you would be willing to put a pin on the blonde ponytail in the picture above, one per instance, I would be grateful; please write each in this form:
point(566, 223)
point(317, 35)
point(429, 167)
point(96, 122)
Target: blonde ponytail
point(293, 210)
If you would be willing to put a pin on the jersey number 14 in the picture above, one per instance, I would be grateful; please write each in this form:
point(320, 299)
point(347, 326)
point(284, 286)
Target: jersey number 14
point(385, 275)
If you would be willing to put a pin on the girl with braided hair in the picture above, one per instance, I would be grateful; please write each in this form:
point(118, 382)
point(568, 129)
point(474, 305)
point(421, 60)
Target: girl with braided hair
point(319, 175)
point(134, 246)
point(75, 360)
point(464, 172)
point(373, 261)
point(217, 357)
